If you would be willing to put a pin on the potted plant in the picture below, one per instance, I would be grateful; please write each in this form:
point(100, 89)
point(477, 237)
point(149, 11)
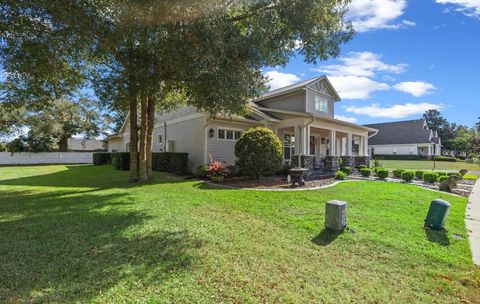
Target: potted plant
point(217, 171)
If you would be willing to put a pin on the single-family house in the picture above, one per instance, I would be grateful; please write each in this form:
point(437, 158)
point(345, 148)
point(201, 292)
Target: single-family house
point(301, 115)
point(410, 137)
point(85, 145)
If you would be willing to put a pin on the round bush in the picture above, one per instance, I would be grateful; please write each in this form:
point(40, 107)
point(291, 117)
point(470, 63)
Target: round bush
point(259, 152)
point(202, 171)
point(430, 177)
point(341, 175)
point(442, 174)
point(419, 174)
point(366, 172)
point(361, 167)
point(408, 176)
point(347, 170)
point(382, 173)
point(442, 178)
point(398, 173)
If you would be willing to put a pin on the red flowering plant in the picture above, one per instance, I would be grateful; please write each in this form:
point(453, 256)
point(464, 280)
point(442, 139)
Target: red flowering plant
point(216, 169)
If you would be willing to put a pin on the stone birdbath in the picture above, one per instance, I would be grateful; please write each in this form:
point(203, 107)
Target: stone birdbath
point(297, 174)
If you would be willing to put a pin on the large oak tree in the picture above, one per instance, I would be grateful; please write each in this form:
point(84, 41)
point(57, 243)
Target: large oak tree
point(144, 54)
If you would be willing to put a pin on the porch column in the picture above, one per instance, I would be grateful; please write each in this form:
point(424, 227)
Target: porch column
point(349, 144)
point(306, 132)
point(298, 140)
point(333, 142)
point(365, 145)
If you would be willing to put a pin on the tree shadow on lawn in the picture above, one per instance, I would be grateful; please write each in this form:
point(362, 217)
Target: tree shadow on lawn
point(73, 249)
point(437, 236)
point(89, 176)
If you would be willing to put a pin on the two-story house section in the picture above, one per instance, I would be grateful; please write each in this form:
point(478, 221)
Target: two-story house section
point(301, 115)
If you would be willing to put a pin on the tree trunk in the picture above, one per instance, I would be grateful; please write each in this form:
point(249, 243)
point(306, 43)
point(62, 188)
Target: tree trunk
point(133, 133)
point(143, 139)
point(63, 143)
point(151, 122)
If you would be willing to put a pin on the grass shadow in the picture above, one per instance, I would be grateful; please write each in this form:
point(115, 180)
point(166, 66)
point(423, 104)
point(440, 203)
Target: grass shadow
point(71, 250)
point(326, 237)
point(437, 236)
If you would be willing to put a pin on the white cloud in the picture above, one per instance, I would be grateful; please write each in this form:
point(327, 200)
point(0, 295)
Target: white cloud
point(416, 88)
point(369, 15)
point(345, 118)
point(354, 87)
point(470, 8)
point(278, 79)
point(393, 111)
point(361, 64)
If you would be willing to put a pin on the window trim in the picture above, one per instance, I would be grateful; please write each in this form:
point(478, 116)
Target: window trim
point(291, 147)
point(229, 129)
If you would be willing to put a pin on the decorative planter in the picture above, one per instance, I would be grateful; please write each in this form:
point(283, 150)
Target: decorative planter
point(217, 179)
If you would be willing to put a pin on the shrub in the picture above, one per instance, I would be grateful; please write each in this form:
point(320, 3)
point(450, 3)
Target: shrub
point(259, 152)
point(340, 175)
point(382, 173)
point(445, 158)
point(120, 160)
point(419, 174)
point(366, 172)
point(283, 170)
point(430, 177)
point(454, 174)
point(172, 162)
point(398, 173)
point(361, 167)
point(233, 170)
point(442, 174)
point(101, 158)
point(408, 176)
point(216, 169)
point(400, 156)
point(347, 170)
point(442, 178)
point(376, 163)
point(463, 172)
point(202, 171)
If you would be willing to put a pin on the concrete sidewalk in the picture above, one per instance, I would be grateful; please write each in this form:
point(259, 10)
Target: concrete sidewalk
point(472, 220)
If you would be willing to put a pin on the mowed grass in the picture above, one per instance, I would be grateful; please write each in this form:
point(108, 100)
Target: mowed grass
point(83, 234)
point(428, 165)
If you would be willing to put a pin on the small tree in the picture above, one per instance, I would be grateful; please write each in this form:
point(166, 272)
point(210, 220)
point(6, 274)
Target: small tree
point(259, 152)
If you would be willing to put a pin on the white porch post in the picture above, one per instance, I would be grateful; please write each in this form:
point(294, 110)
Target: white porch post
point(306, 131)
point(349, 146)
point(365, 146)
point(205, 144)
point(298, 140)
point(333, 142)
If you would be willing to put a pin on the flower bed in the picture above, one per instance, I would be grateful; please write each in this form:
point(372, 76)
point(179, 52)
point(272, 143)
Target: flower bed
point(273, 182)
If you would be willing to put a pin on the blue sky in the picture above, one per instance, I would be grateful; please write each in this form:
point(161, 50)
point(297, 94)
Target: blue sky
point(407, 57)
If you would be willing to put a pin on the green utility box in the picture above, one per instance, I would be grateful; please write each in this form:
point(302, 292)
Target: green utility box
point(336, 215)
point(437, 214)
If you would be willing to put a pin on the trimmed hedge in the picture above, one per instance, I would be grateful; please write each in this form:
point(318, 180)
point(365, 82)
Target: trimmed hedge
point(408, 176)
point(347, 170)
point(442, 174)
point(340, 175)
point(172, 162)
point(101, 158)
point(442, 178)
point(445, 158)
point(382, 173)
point(120, 160)
point(419, 174)
point(366, 172)
point(398, 173)
point(430, 177)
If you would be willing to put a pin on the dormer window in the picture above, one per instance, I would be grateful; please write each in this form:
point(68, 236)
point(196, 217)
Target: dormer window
point(321, 105)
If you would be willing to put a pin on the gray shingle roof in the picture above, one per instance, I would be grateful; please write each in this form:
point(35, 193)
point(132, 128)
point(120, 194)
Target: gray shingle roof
point(400, 132)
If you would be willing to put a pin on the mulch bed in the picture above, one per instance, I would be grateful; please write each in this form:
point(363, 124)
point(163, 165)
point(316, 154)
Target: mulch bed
point(273, 182)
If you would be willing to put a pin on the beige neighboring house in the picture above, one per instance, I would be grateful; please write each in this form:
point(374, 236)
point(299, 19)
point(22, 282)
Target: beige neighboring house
point(301, 115)
point(85, 145)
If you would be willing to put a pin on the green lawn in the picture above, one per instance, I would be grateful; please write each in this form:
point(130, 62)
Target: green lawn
point(428, 165)
point(82, 234)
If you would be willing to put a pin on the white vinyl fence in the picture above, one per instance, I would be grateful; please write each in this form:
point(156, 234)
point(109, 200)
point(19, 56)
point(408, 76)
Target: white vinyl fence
point(26, 158)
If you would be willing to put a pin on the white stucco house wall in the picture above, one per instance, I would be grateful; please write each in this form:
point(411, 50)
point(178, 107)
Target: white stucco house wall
point(410, 137)
point(301, 115)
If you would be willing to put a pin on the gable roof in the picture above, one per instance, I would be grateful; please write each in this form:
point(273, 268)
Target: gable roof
point(402, 132)
point(298, 86)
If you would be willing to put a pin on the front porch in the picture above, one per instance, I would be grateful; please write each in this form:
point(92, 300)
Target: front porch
point(322, 146)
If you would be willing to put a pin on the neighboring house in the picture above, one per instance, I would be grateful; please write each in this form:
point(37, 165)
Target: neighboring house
point(302, 116)
point(411, 137)
point(85, 145)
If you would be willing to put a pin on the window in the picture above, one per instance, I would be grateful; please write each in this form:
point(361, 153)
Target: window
point(127, 146)
point(320, 104)
point(159, 138)
point(288, 146)
point(229, 134)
